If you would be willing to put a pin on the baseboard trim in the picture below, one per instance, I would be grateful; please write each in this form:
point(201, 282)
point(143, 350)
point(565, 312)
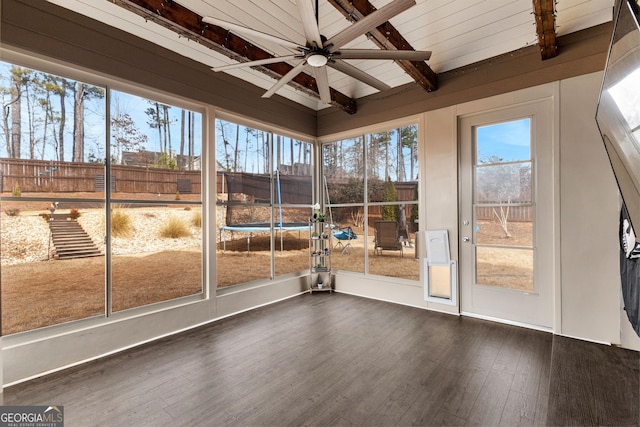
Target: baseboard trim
point(508, 322)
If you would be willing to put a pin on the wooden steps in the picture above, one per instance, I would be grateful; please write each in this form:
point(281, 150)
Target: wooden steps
point(69, 238)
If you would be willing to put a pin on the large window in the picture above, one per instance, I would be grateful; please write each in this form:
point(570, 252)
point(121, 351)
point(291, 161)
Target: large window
point(264, 197)
point(156, 201)
point(84, 222)
point(378, 215)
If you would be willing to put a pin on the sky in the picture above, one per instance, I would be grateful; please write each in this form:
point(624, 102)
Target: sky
point(94, 122)
point(510, 141)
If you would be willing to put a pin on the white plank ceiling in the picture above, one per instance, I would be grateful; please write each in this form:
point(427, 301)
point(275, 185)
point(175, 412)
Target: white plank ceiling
point(458, 33)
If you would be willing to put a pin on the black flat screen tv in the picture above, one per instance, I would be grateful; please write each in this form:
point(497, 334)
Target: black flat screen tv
point(618, 113)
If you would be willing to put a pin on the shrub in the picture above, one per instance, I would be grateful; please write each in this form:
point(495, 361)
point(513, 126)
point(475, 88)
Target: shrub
point(196, 218)
point(177, 195)
point(121, 225)
point(175, 228)
point(12, 211)
point(15, 192)
point(390, 194)
point(74, 213)
point(45, 216)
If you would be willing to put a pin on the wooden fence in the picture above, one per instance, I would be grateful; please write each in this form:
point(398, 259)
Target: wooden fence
point(41, 176)
point(516, 213)
point(38, 176)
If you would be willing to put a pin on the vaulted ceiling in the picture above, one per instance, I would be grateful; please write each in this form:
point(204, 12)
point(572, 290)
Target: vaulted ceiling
point(458, 33)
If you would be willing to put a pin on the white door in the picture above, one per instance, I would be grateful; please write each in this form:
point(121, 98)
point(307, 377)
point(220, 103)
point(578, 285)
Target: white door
point(506, 214)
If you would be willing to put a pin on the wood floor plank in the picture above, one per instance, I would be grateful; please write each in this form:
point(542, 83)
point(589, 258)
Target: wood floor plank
point(463, 396)
point(593, 384)
point(519, 410)
point(343, 360)
point(488, 407)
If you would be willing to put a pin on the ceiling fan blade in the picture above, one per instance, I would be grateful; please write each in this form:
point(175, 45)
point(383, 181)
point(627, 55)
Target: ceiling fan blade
point(358, 74)
point(322, 79)
point(368, 23)
point(409, 55)
point(254, 63)
point(309, 24)
point(286, 78)
point(250, 32)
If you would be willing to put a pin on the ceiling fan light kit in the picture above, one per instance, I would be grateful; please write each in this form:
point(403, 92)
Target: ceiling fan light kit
point(318, 53)
point(316, 60)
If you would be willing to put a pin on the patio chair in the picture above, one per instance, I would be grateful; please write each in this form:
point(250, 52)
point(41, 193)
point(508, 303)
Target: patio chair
point(386, 237)
point(346, 235)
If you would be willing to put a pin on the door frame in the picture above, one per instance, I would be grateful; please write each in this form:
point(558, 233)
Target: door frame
point(546, 189)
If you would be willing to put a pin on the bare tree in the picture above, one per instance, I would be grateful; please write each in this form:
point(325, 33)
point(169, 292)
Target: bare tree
point(17, 75)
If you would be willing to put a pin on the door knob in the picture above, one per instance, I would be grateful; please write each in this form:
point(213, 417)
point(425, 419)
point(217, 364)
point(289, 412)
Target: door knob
point(465, 239)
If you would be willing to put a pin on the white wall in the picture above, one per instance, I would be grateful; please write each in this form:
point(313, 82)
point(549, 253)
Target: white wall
point(589, 212)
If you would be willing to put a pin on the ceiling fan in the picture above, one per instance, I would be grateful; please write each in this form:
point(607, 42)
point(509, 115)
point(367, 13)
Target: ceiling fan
point(320, 52)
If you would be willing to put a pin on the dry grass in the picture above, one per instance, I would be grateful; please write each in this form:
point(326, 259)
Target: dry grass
point(41, 294)
point(174, 228)
point(121, 225)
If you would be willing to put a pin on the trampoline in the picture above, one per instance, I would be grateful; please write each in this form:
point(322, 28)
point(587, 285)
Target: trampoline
point(237, 213)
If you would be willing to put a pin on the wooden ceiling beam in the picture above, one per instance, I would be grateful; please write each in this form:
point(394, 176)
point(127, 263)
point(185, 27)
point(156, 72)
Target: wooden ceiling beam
point(545, 13)
point(189, 24)
point(386, 36)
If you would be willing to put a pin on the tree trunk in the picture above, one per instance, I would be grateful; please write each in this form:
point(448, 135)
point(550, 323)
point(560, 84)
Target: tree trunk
point(182, 135)
point(63, 115)
point(16, 116)
point(31, 125)
point(78, 123)
point(5, 126)
point(192, 132)
point(167, 129)
point(159, 128)
point(235, 150)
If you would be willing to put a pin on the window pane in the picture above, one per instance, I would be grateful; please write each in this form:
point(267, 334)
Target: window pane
point(245, 210)
point(343, 169)
point(54, 126)
point(504, 225)
point(52, 201)
point(293, 173)
point(391, 243)
point(392, 165)
point(504, 142)
point(348, 238)
point(157, 253)
point(507, 268)
point(291, 239)
point(155, 150)
point(53, 268)
point(503, 183)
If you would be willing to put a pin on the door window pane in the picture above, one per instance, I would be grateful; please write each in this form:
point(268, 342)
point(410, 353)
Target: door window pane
point(504, 142)
point(508, 268)
point(504, 225)
point(503, 206)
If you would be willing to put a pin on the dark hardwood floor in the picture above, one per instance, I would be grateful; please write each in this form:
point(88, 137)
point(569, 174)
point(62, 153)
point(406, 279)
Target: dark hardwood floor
point(343, 360)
